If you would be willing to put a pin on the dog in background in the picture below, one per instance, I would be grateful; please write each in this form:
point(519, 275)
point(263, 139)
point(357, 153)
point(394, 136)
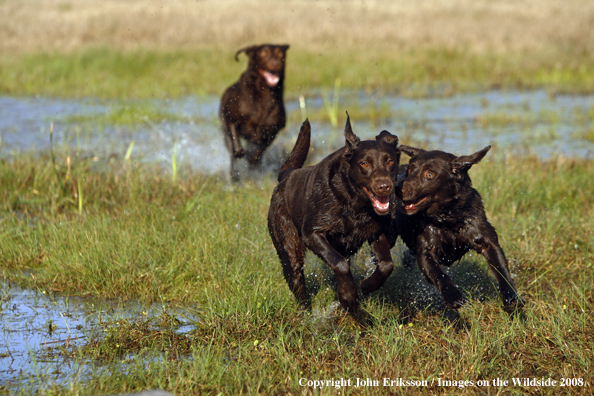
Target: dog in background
point(253, 107)
point(332, 208)
point(442, 217)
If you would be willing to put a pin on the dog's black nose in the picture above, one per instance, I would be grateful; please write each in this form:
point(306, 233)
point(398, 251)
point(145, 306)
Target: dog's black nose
point(384, 188)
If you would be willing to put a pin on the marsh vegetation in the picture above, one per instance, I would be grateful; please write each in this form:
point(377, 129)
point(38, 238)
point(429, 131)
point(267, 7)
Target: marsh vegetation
point(107, 216)
point(203, 244)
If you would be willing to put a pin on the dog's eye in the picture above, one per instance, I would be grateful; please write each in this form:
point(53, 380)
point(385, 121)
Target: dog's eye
point(364, 164)
point(429, 175)
point(390, 162)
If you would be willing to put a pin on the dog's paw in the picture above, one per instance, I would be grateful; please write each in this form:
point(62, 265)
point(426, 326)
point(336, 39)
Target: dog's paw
point(255, 159)
point(304, 306)
point(513, 305)
point(377, 278)
point(367, 286)
point(238, 152)
point(363, 318)
point(453, 298)
point(511, 300)
point(349, 301)
point(371, 284)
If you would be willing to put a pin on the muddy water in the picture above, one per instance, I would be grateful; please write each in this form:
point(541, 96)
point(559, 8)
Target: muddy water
point(516, 122)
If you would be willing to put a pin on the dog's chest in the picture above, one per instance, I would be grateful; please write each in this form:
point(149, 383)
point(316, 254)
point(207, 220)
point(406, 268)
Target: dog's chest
point(265, 113)
point(349, 234)
point(446, 244)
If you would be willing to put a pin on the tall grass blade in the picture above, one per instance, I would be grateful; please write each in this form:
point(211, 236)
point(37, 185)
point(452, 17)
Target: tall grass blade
point(303, 108)
point(129, 151)
point(332, 107)
point(80, 196)
point(174, 163)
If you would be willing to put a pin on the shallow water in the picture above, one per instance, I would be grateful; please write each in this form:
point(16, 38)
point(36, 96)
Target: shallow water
point(34, 323)
point(515, 122)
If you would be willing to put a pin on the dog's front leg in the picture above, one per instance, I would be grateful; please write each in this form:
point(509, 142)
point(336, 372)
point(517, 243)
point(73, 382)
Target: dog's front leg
point(432, 271)
point(346, 288)
point(498, 265)
point(234, 138)
point(385, 265)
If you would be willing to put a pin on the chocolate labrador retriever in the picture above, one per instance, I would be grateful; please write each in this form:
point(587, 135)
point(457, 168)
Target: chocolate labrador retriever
point(253, 107)
point(332, 208)
point(442, 217)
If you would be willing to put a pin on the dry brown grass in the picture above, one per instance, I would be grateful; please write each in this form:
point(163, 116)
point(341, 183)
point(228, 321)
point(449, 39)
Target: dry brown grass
point(475, 25)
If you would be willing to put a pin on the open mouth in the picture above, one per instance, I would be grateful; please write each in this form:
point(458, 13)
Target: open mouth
point(380, 204)
point(409, 207)
point(271, 78)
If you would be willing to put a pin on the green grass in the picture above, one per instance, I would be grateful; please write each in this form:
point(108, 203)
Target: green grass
point(132, 113)
point(201, 244)
point(110, 73)
point(589, 135)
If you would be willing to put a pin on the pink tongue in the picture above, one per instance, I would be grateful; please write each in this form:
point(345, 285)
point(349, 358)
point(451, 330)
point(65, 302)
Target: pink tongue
point(381, 203)
point(410, 207)
point(271, 79)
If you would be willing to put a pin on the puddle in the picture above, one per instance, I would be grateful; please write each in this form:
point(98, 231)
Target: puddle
point(34, 324)
point(528, 122)
point(516, 122)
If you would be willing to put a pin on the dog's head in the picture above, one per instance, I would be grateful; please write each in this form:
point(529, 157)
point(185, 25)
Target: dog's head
point(372, 166)
point(435, 179)
point(268, 60)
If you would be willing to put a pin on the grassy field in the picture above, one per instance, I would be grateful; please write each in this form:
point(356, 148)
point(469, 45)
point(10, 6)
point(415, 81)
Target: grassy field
point(116, 228)
point(109, 73)
point(136, 49)
point(127, 231)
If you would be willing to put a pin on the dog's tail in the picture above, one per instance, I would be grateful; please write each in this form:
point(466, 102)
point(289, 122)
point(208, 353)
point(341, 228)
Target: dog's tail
point(299, 153)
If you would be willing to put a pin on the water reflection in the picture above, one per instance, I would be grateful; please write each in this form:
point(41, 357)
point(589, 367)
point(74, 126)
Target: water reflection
point(516, 122)
point(34, 324)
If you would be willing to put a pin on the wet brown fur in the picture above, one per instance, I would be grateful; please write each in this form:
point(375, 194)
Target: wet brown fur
point(324, 208)
point(442, 217)
point(252, 108)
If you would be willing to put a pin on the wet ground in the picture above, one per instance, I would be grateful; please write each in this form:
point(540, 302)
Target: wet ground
point(35, 325)
point(516, 122)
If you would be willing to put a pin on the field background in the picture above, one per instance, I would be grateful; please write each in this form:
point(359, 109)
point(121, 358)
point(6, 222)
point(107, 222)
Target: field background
point(480, 26)
point(124, 230)
point(171, 48)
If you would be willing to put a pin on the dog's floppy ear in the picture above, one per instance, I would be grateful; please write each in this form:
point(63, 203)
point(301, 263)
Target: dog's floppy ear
point(351, 140)
point(464, 162)
point(412, 152)
point(387, 137)
point(249, 51)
